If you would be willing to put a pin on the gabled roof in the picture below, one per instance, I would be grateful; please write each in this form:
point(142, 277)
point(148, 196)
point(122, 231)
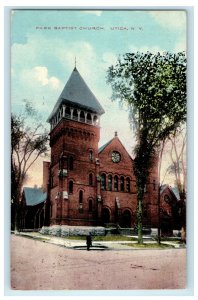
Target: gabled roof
point(77, 92)
point(109, 142)
point(163, 187)
point(174, 190)
point(104, 146)
point(34, 196)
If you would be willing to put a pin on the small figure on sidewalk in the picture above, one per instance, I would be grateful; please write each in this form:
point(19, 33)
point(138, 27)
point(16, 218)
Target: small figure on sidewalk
point(89, 241)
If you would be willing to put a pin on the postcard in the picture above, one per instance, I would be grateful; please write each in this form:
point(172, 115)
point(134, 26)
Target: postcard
point(98, 146)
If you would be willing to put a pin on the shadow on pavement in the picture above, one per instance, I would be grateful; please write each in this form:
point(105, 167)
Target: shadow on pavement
point(100, 248)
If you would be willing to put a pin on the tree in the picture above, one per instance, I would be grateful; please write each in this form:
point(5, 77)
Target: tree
point(177, 156)
point(153, 86)
point(29, 141)
point(178, 169)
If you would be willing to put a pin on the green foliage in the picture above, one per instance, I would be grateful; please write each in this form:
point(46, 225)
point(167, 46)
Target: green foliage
point(152, 246)
point(29, 140)
point(153, 86)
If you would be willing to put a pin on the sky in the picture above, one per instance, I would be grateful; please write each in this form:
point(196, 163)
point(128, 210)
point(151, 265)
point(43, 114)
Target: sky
point(45, 43)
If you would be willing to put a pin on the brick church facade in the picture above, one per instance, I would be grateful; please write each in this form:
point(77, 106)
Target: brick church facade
point(88, 185)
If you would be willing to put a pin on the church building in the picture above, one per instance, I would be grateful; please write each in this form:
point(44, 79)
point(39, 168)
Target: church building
point(88, 185)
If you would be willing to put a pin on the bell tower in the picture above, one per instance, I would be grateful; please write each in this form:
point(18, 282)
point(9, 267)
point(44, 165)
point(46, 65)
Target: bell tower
point(74, 137)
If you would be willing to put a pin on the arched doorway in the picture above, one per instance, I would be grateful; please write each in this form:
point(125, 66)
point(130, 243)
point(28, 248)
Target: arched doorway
point(105, 216)
point(126, 219)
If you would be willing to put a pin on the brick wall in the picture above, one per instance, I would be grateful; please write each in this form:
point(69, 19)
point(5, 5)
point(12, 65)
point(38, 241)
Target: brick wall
point(46, 166)
point(74, 139)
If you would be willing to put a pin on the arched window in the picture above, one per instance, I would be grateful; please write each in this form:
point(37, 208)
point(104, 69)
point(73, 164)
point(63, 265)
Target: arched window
point(115, 183)
point(52, 181)
point(89, 121)
point(103, 182)
point(95, 120)
point(167, 199)
point(90, 205)
point(68, 112)
point(80, 201)
point(82, 116)
point(80, 197)
point(63, 163)
point(90, 155)
point(90, 179)
point(71, 163)
point(110, 183)
point(122, 183)
point(71, 186)
point(154, 185)
point(128, 185)
point(75, 114)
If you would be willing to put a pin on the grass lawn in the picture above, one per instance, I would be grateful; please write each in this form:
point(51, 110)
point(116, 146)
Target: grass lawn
point(169, 239)
point(144, 246)
point(103, 238)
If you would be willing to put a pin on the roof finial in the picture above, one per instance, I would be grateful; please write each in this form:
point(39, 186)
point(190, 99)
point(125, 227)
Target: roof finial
point(116, 133)
point(75, 62)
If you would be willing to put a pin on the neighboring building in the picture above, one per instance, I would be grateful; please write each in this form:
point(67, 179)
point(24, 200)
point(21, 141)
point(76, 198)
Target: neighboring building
point(168, 205)
point(172, 209)
point(33, 208)
point(87, 185)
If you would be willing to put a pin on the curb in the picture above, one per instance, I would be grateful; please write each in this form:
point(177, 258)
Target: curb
point(98, 245)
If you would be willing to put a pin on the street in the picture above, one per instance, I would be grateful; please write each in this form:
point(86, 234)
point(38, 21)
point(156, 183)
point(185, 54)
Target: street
point(36, 265)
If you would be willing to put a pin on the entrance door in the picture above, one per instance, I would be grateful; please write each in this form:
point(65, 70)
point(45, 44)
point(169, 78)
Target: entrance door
point(126, 219)
point(105, 216)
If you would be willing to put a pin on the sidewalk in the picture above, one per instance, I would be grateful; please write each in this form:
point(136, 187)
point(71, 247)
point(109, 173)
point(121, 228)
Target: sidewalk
point(43, 266)
point(96, 245)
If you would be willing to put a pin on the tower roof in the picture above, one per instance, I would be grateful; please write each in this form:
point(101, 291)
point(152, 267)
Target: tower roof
point(77, 93)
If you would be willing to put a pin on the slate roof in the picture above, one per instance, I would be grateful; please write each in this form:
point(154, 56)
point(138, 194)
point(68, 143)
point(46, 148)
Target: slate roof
point(77, 92)
point(163, 187)
point(176, 192)
point(34, 196)
point(104, 146)
point(173, 189)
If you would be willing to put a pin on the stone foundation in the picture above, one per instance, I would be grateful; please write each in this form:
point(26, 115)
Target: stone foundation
point(65, 230)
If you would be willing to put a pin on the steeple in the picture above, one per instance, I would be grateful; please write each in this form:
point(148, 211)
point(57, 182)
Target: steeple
point(77, 94)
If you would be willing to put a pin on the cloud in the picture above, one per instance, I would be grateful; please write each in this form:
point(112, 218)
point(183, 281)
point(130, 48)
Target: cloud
point(39, 74)
point(170, 19)
point(54, 82)
point(34, 74)
point(82, 51)
point(25, 55)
